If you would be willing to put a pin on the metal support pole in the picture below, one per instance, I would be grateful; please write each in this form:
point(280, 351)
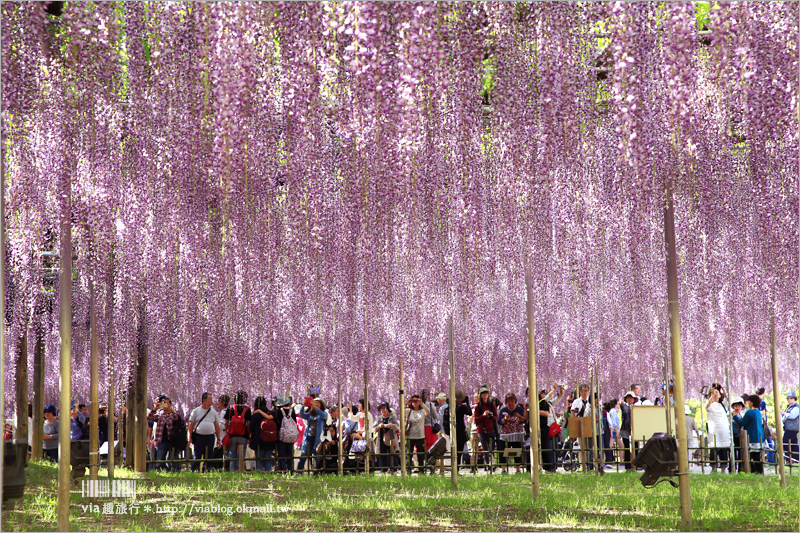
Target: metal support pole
point(340, 458)
point(65, 333)
point(94, 413)
point(402, 410)
point(776, 404)
point(452, 405)
point(677, 359)
point(110, 413)
point(533, 394)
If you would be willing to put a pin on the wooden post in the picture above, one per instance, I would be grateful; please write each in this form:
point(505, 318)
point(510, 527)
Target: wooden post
point(731, 452)
point(702, 436)
point(452, 405)
point(666, 397)
point(38, 393)
point(94, 414)
point(340, 458)
point(367, 428)
point(402, 410)
point(241, 449)
point(744, 444)
point(595, 408)
point(65, 333)
point(111, 425)
point(677, 358)
point(22, 388)
point(142, 430)
point(776, 401)
point(533, 392)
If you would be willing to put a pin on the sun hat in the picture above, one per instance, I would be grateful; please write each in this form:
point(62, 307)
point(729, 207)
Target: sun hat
point(441, 396)
point(631, 394)
point(738, 399)
point(686, 409)
point(283, 400)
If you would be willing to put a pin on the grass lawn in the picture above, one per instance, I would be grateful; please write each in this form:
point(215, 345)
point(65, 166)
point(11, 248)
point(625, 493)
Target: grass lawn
point(386, 503)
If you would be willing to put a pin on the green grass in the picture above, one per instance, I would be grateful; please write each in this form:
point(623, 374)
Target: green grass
point(384, 503)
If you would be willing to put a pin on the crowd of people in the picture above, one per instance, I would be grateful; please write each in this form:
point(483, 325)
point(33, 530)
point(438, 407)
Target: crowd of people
point(490, 434)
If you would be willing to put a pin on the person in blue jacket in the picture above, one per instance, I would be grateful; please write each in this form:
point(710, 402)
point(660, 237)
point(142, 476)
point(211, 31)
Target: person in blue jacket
point(751, 422)
point(316, 419)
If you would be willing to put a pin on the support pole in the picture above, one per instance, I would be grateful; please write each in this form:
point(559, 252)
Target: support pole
point(702, 437)
point(732, 451)
point(140, 400)
point(402, 410)
point(3, 293)
point(776, 404)
point(94, 414)
point(367, 428)
point(452, 405)
point(666, 397)
point(339, 457)
point(65, 334)
point(533, 392)
point(110, 413)
point(130, 428)
point(677, 359)
point(22, 389)
point(38, 393)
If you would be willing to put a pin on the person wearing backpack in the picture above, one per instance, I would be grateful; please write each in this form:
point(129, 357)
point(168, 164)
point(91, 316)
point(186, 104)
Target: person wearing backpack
point(286, 420)
point(791, 424)
point(203, 431)
point(164, 422)
point(263, 434)
point(237, 426)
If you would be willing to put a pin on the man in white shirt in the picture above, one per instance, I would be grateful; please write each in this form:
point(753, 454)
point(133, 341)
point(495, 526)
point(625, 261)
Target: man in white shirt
point(203, 430)
point(582, 407)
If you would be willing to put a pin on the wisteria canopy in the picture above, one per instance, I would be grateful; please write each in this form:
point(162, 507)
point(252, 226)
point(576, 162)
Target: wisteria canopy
point(291, 193)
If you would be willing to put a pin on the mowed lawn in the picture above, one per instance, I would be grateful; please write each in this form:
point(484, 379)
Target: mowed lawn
point(387, 503)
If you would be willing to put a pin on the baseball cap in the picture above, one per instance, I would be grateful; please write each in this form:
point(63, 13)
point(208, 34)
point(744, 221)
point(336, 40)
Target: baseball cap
point(631, 394)
point(50, 408)
point(483, 389)
point(792, 395)
point(441, 396)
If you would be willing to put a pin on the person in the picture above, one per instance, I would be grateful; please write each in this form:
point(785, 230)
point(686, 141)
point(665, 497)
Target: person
point(474, 440)
point(691, 426)
point(388, 429)
point(582, 407)
point(219, 450)
point(738, 411)
point(790, 420)
point(237, 425)
point(329, 444)
point(203, 430)
point(752, 423)
point(77, 423)
point(625, 426)
point(163, 431)
point(431, 421)
point(441, 403)
point(85, 412)
point(50, 434)
point(262, 448)
point(719, 435)
point(102, 425)
point(416, 413)
point(316, 419)
point(612, 418)
point(462, 410)
point(365, 421)
point(636, 389)
point(511, 420)
point(762, 404)
point(286, 420)
point(485, 416)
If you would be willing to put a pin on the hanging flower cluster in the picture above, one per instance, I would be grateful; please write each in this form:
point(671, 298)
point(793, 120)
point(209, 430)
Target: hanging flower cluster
point(299, 193)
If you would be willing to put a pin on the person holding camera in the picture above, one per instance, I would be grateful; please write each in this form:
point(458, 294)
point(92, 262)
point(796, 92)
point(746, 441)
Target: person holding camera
point(719, 435)
point(485, 416)
point(416, 413)
point(163, 431)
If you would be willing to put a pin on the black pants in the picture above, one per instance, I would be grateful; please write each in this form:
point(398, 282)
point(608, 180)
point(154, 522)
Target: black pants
point(203, 449)
point(756, 466)
point(608, 452)
point(386, 462)
point(51, 455)
point(419, 444)
point(790, 448)
point(626, 441)
point(548, 454)
point(720, 457)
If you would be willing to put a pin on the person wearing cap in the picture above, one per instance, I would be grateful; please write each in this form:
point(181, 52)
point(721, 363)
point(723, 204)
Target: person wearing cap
point(76, 422)
point(790, 420)
point(416, 413)
point(283, 410)
point(50, 434)
point(752, 423)
point(625, 425)
point(388, 429)
point(738, 409)
point(485, 416)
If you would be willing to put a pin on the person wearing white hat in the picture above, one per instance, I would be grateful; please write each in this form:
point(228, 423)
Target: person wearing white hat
point(625, 425)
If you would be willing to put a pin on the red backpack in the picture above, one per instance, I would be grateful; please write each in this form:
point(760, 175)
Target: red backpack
point(237, 425)
point(269, 430)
